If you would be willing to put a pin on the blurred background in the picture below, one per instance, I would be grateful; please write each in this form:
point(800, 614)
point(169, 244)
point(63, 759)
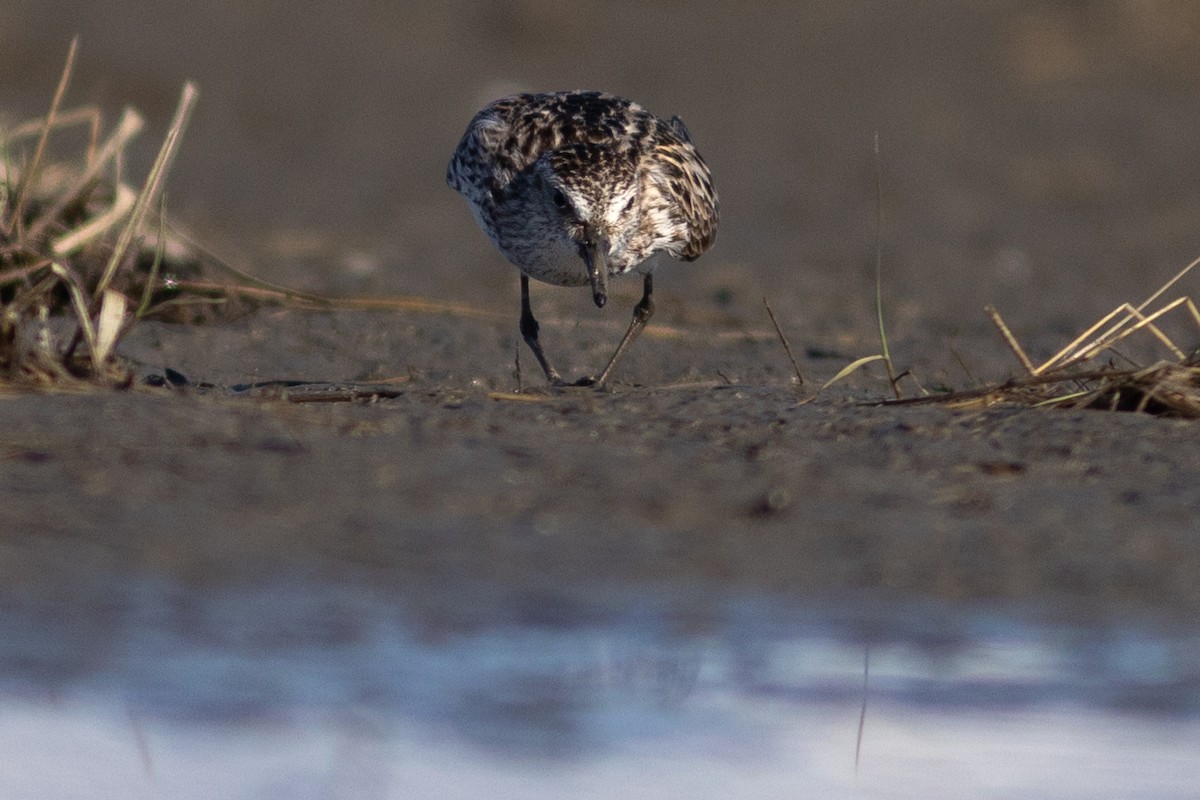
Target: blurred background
point(1040, 156)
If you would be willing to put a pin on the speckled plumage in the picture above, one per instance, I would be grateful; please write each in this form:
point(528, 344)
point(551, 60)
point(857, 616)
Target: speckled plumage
point(574, 187)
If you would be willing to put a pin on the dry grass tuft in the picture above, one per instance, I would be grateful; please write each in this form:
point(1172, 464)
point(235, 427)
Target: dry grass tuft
point(73, 242)
point(1167, 387)
point(1162, 388)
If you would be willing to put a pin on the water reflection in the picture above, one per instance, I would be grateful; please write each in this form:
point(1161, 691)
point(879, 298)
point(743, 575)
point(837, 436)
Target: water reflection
point(342, 691)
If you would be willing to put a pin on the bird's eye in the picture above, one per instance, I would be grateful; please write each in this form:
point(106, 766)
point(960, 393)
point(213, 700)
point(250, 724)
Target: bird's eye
point(560, 200)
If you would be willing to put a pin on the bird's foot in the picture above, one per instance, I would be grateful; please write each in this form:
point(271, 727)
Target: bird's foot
point(599, 383)
point(586, 382)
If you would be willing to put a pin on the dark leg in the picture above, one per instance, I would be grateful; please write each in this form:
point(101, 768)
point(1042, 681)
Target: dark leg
point(641, 314)
point(529, 330)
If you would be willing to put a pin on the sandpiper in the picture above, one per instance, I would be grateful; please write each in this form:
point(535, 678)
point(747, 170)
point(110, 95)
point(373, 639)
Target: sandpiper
point(575, 187)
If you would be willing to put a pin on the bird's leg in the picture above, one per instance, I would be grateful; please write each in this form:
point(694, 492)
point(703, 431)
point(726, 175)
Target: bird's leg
point(529, 330)
point(641, 314)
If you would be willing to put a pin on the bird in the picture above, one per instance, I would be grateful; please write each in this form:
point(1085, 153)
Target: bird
point(576, 187)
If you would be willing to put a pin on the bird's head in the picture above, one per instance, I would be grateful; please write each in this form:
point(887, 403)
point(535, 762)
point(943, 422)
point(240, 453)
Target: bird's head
point(590, 194)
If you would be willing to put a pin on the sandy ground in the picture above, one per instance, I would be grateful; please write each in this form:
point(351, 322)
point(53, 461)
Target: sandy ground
point(1041, 157)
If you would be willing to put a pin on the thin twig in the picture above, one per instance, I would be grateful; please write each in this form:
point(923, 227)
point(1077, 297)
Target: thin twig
point(63, 119)
point(883, 342)
point(787, 348)
point(29, 176)
point(1162, 289)
point(1010, 340)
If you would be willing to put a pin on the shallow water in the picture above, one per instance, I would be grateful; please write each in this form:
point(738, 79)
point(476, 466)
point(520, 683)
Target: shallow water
point(338, 692)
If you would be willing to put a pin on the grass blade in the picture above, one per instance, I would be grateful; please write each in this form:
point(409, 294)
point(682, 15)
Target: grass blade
point(885, 354)
point(154, 181)
point(70, 242)
point(75, 291)
point(108, 327)
point(129, 126)
point(29, 176)
point(852, 367)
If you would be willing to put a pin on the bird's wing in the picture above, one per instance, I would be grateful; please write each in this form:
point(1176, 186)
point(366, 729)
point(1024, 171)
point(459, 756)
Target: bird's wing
point(681, 130)
point(511, 133)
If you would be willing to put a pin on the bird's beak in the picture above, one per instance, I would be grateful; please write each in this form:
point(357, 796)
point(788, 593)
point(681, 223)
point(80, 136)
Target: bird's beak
point(595, 255)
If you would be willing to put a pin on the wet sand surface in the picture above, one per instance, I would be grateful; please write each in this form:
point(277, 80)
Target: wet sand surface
point(1039, 157)
point(734, 486)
